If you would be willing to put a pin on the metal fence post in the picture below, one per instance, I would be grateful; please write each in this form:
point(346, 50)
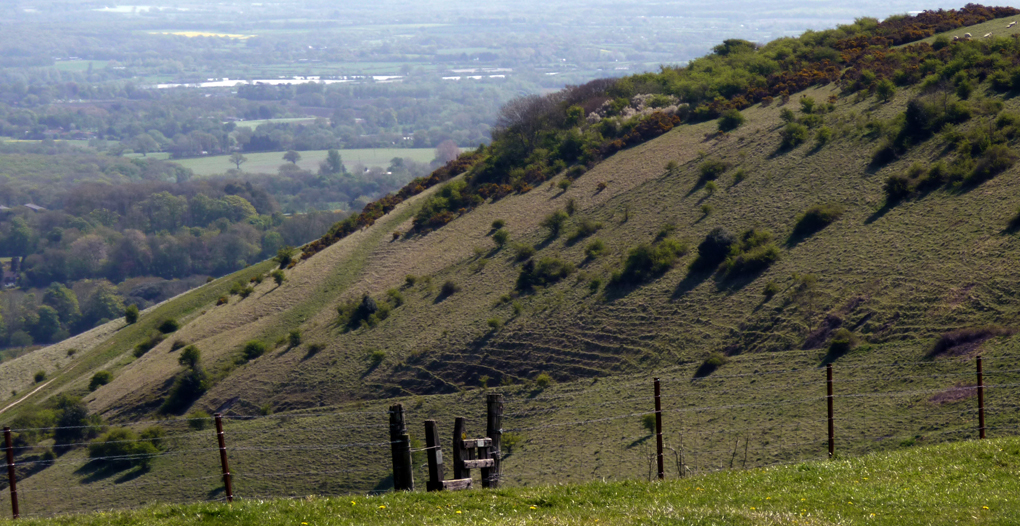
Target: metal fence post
point(12, 477)
point(658, 430)
point(227, 486)
point(981, 398)
point(832, 428)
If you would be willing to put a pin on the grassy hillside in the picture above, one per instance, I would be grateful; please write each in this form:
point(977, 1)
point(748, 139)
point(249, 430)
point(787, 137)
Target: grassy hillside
point(904, 488)
point(871, 226)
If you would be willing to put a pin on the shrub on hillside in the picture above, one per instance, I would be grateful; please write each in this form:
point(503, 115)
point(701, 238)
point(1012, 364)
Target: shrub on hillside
point(995, 160)
point(278, 276)
point(498, 224)
point(647, 261)
point(122, 448)
point(448, 289)
point(711, 363)
point(730, 120)
point(501, 237)
point(168, 326)
point(713, 249)
point(523, 251)
point(595, 249)
point(753, 252)
point(131, 314)
point(544, 273)
point(897, 187)
point(353, 314)
point(253, 349)
point(816, 218)
point(711, 169)
point(842, 342)
point(294, 338)
point(554, 222)
point(793, 134)
point(100, 379)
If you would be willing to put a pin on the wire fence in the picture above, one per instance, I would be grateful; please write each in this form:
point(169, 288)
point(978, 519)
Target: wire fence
point(599, 429)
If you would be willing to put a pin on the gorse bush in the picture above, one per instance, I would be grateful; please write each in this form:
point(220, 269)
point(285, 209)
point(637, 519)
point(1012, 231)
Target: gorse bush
point(647, 261)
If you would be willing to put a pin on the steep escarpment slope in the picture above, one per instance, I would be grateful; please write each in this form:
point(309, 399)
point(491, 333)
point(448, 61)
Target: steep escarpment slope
point(895, 162)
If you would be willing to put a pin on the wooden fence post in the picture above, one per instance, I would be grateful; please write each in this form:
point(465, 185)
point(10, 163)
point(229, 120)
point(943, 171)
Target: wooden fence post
point(12, 477)
point(658, 430)
point(494, 430)
point(981, 398)
point(227, 486)
point(460, 453)
point(400, 446)
point(832, 429)
point(435, 456)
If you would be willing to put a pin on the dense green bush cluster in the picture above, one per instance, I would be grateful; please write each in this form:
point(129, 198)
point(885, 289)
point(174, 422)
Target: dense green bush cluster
point(752, 252)
point(647, 261)
point(546, 272)
point(122, 447)
point(353, 314)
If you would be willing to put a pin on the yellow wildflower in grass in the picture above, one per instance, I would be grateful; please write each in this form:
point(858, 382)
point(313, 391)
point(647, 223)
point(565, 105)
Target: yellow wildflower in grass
point(458, 512)
point(353, 503)
point(752, 508)
point(984, 507)
point(382, 507)
point(534, 508)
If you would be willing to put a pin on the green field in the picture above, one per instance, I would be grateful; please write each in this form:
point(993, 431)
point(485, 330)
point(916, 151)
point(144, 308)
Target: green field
point(269, 162)
point(972, 482)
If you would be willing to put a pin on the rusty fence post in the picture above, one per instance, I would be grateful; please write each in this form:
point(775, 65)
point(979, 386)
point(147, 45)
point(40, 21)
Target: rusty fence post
point(981, 398)
point(494, 430)
point(227, 486)
point(400, 446)
point(12, 477)
point(658, 430)
point(832, 428)
point(435, 456)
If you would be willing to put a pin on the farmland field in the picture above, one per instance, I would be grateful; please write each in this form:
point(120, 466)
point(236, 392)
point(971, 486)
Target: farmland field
point(269, 162)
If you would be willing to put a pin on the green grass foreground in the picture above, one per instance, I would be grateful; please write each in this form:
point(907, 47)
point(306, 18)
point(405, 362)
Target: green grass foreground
point(966, 482)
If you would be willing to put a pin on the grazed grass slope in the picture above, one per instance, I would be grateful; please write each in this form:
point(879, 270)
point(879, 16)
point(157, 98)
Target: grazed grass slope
point(963, 482)
point(896, 275)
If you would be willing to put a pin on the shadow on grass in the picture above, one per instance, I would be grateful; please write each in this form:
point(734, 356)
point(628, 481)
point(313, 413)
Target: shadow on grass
point(95, 471)
point(886, 207)
point(639, 441)
point(696, 275)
